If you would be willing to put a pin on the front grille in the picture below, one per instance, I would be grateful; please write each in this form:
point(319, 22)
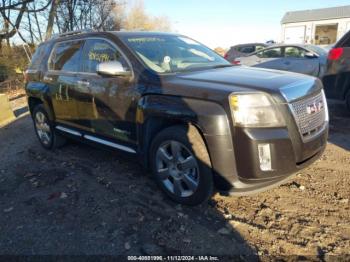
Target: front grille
point(310, 115)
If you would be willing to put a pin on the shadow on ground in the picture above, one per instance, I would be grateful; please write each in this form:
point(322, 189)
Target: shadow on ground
point(82, 200)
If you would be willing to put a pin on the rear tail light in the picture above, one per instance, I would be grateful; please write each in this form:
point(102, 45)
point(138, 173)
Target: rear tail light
point(226, 56)
point(335, 53)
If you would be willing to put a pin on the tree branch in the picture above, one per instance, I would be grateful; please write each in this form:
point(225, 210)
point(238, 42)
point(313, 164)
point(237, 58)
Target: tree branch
point(14, 26)
point(35, 10)
point(13, 6)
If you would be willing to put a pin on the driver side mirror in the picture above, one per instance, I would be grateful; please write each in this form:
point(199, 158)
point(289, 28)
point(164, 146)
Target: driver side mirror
point(112, 68)
point(310, 55)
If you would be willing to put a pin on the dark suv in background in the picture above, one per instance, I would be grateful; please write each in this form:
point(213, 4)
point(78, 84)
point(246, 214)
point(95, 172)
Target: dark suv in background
point(190, 116)
point(337, 78)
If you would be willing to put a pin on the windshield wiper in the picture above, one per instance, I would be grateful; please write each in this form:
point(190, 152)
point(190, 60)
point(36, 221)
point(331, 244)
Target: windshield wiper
point(222, 66)
point(193, 69)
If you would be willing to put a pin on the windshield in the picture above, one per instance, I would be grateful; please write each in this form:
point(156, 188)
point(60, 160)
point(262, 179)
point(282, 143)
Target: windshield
point(171, 54)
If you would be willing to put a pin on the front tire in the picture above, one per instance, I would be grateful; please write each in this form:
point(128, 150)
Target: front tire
point(181, 165)
point(45, 131)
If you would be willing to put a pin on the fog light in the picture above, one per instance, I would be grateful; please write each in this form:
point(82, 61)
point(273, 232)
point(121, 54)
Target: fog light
point(264, 157)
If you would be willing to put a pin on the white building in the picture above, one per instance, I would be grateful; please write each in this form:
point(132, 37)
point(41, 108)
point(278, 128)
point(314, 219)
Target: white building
point(319, 26)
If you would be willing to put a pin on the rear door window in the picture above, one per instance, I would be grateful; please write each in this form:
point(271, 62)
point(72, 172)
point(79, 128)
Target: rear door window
point(294, 52)
point(97, 51)
point(270, 53)
point(66, 56)
point(259, 47)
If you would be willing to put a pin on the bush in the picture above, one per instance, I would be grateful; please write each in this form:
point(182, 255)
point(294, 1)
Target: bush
point(13, 62)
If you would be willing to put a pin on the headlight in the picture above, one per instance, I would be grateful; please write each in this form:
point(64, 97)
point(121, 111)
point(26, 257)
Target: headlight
point(255, 110)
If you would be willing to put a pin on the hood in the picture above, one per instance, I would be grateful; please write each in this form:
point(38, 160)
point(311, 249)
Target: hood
point(240, 78)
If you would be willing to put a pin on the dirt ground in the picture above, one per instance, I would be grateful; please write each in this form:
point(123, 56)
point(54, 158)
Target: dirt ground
point(82, 200)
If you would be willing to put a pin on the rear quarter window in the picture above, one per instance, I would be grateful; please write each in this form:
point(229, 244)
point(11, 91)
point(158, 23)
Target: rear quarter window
point(38, 57)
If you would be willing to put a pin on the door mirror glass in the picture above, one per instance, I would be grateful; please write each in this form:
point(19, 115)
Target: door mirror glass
point(112, 68)
point(310, 55)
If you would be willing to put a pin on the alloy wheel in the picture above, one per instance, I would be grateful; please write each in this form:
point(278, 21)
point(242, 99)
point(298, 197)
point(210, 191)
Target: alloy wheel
point(177, 168)
point(43, 128)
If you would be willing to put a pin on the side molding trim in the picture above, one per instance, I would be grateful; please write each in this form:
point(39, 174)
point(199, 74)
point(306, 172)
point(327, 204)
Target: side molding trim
point(69, 131)
point(111, 144)
point(97, 140)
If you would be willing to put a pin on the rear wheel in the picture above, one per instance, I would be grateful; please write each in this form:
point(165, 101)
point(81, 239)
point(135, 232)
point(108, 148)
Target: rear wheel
point(181, 165)
point(44, 129)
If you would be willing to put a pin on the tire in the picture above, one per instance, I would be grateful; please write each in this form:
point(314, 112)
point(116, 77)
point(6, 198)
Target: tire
point(45, 131)
point(181, 165)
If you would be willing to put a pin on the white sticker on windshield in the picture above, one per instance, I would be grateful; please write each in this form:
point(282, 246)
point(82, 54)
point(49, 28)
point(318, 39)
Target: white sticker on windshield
point(167, 59)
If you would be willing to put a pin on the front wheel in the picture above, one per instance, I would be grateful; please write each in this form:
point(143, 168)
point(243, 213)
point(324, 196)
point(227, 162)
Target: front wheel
point(181, 165)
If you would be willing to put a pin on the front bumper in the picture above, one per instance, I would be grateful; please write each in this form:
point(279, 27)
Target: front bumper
point(235, 158)
point(237, 172)
point(251, 179)
point(288, 155)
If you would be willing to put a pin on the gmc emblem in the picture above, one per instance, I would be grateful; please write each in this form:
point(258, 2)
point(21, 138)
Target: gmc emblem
point(316, 107)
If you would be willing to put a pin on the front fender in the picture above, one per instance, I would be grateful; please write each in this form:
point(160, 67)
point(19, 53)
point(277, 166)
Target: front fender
point(156, 112)
point(210, 117)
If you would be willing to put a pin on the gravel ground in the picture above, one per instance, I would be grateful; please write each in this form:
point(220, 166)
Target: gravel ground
point(81, 200)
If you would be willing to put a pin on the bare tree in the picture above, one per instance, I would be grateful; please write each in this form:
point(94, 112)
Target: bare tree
point(7, 5)
point(51, 18)
point(22, 18)
point(36, 20)
point(7, 33)
point(82, 14)
point(138, 19)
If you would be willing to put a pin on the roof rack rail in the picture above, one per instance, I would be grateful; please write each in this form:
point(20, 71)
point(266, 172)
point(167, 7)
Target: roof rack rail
point(72, 33)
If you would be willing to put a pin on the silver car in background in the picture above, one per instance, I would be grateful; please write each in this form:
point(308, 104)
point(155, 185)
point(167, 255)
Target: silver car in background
point(243, 50)
point(305, 59)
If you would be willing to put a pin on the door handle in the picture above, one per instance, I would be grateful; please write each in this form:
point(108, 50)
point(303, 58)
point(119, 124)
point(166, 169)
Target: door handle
point(47, 78)
point(83, 82)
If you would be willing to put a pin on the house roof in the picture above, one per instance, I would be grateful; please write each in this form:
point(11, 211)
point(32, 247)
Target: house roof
point(316, 14)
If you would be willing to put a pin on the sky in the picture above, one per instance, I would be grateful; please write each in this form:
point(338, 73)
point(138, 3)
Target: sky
point(227, 22)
